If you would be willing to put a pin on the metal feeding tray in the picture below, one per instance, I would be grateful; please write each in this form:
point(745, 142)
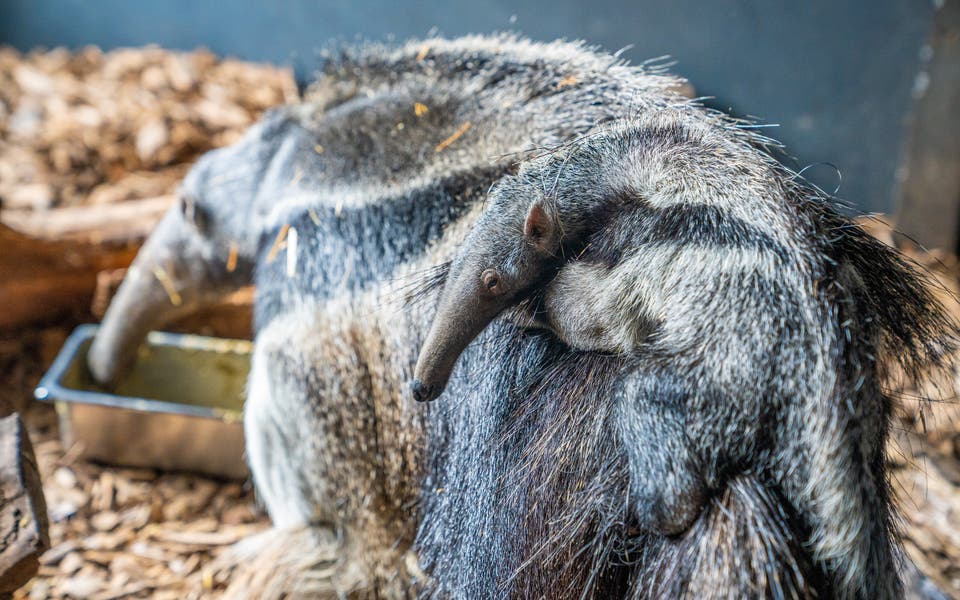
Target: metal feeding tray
point(178, 409)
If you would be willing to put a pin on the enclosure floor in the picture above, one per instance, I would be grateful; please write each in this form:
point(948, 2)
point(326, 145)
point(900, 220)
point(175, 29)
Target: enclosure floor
point(121, 533)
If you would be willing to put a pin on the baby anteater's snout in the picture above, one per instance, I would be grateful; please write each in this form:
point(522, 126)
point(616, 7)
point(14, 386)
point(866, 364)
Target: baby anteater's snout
point(424, 393)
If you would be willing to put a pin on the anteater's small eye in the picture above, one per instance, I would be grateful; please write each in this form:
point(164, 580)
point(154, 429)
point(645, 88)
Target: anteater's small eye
point(192, 211)
point(491, 281)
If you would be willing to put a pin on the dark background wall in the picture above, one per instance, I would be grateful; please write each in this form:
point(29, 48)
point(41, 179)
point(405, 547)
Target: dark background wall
point(837, 76)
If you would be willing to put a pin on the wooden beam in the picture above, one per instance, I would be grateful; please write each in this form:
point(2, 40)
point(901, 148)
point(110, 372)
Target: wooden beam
point(102, 223)
point(929, 191)
point(50, 259)
point(41, 279)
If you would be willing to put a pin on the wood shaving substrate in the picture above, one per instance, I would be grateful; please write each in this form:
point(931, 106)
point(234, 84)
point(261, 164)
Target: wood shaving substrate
point(95, 127)
point(119, 533)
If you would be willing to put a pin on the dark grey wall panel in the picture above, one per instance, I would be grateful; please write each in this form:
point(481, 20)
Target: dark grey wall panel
point(836, 75)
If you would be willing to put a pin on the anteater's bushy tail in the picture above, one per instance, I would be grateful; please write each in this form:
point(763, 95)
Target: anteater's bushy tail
point(919, 339)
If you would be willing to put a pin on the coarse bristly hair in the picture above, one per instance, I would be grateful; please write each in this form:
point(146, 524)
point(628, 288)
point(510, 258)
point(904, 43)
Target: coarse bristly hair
point(753, 411)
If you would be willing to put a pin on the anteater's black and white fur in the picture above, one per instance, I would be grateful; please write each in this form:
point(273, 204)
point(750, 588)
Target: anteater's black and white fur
point(535, 473)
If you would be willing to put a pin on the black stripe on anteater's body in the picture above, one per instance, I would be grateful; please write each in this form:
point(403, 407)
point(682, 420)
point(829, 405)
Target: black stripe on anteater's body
point(526, 477)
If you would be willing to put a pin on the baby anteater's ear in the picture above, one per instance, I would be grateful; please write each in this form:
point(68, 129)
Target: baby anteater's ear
point(541, 229)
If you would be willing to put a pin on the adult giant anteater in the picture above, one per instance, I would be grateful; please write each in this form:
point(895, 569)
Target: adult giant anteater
point(731, 446)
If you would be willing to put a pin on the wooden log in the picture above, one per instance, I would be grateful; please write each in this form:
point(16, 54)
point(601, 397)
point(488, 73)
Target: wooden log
point(51, 259)
point(42, 279)
point(23, 511)
point(118, 223)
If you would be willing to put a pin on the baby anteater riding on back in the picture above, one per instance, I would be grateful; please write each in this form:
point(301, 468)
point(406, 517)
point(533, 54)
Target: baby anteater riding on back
point(746, 312)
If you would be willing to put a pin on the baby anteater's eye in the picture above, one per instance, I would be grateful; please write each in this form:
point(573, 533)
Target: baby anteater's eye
point(491, 281)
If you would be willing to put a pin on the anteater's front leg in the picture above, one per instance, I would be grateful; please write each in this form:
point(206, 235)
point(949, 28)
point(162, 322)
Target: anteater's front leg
point(667, 489)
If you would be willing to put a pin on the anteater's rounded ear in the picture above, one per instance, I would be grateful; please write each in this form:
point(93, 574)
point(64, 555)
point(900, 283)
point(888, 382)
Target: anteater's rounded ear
point(540, 229)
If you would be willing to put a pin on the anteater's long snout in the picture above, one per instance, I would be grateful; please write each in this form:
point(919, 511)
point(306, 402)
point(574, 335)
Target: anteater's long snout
point(445, 343)
point(155, 291)
point(461, 316)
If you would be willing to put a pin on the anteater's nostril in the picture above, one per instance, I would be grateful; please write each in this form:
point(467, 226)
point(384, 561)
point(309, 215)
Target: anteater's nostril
point(421, 393)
